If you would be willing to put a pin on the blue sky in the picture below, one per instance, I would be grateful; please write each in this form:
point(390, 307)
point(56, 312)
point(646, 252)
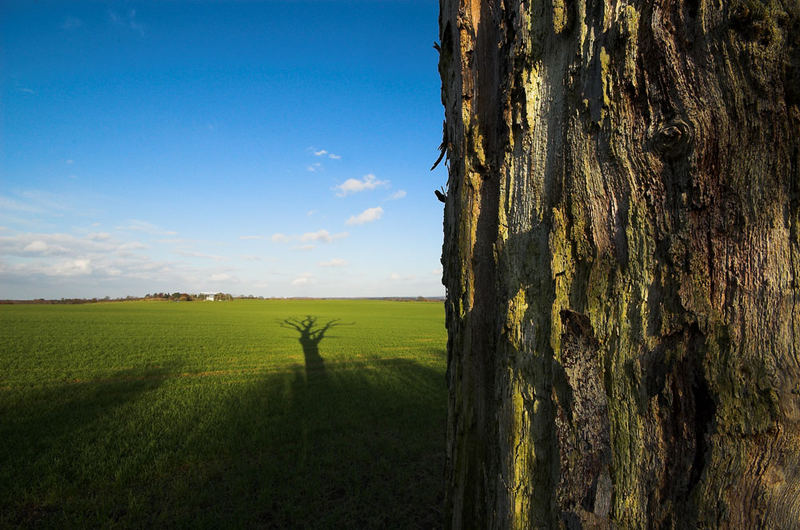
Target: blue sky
point(275, 148)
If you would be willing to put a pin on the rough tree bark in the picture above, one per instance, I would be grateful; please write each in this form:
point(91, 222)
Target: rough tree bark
point(621, 260)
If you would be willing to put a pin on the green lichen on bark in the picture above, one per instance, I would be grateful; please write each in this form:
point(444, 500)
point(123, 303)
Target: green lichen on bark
point(621, 261)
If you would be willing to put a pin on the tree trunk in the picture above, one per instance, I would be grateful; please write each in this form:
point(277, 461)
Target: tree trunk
point(621, 260)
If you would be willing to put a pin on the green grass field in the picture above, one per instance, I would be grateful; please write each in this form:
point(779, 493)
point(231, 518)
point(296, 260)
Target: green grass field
point(222, 414)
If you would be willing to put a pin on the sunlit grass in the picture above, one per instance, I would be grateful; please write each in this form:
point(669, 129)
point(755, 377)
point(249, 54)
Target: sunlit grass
point(204, 414)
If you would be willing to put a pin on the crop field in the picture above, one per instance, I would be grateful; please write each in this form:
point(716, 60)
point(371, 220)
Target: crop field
point(272, 414)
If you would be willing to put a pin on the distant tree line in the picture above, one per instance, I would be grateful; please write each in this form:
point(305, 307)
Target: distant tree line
point(186, 297)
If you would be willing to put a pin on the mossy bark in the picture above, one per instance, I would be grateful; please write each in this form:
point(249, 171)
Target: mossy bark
point(621, 260)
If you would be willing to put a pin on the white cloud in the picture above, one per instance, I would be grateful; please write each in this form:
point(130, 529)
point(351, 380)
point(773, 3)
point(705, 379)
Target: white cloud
point(251, 237)
point(322, 236)
point(367, 216)
point(304, 279)
point(38, 247)
point(400, 278)
point(69, 162)
point(75, 267)
point(369, 182)
point(220, 277)
point(314, 167)
point(335, 262)
point(280, 238)
point(303, 247)
point(311, 212)
point(399, 194)
point(94, 268)
point(325, 152)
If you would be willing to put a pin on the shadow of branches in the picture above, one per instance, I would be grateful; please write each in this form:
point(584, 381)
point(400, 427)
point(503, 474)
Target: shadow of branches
point(311, 334)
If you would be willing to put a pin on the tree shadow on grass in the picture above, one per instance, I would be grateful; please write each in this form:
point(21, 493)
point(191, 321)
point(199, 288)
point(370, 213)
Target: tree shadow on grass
point(325, 445)
point(311, 334)
point(363, 447)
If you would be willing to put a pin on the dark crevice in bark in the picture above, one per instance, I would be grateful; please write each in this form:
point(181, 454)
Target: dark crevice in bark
point(704, 416)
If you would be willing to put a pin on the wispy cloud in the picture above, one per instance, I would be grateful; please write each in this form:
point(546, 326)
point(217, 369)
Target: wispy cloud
point(137, 225)
point(51, 203)
point(369, 182)
point(304, 248)
point(176, 240)
point(321, 152)
point(335, 262)
point(314, 167)
point(40, 202)
point(126, 20)
point(42, 245)
point(203, 255)
point(9, 204)
point(280, 238)
point(25, 90)
point(334, 157)
point(71, 23)
point(132, 245)
point(399, 194)
point(367, 216)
